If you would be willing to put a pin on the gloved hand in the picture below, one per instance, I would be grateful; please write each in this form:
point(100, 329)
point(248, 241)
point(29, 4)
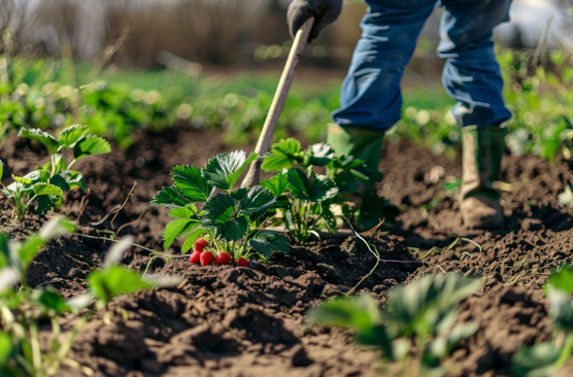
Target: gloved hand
point(324, 12)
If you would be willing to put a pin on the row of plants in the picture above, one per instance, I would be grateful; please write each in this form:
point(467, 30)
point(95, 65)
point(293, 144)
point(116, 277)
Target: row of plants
point(38, 94)
point(418, 328)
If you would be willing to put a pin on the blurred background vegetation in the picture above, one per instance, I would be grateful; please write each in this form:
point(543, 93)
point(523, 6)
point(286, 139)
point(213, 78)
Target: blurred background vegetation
point(119, 65)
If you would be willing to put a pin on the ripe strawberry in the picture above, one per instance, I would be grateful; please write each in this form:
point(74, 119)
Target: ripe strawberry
point(206, 258)
point(200, 244)
point(195, 257)
point(242, 262)
point(223, 258)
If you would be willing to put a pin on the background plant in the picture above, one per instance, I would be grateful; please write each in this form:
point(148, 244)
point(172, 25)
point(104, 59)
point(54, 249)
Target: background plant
point(232, 220)
point(23, 309)
point(545, 359)
point(416, 331)
point(45, 185)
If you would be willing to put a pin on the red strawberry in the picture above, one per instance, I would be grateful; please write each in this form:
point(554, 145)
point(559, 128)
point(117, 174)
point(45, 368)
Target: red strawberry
point(195, 257)
point(223, 258)
point(206, 258)
point(242, 262)
point(200, 244)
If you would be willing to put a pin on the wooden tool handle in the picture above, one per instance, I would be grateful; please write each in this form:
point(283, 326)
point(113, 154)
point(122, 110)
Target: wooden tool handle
point(252, 177)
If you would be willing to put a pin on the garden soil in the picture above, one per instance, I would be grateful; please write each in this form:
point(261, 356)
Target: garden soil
point(231, 321)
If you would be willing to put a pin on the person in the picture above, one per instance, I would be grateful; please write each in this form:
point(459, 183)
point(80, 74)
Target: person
point(371, 98)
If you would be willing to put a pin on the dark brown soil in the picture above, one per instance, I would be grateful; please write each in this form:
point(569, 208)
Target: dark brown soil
point(229, 321)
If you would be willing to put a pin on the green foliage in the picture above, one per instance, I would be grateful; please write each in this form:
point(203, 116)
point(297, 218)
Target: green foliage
point(545, 359)
point(232, 220)
point(22, 308)
point(415, 329)
point(309, 201)
point(44, 186)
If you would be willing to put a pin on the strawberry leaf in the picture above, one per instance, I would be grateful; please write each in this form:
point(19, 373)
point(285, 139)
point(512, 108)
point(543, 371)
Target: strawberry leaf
point(191, 183)
point(170, 197)
point(321, 154)
point(70, 135)
point(191, 238)
point(285, 154)
point(183, 212)
point(223, 170)
point(277, 184)
point(316, 189)
point(219, 209)
point(90, 145)
point(41, 189)
point(257, 199)
point(45, 138)
point(267, 242)
point(75, 180)
point(115, 281)
point(176, 229)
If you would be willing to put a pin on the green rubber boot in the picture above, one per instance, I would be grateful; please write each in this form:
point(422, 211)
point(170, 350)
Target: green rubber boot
point(365, 145)
point(482, 151)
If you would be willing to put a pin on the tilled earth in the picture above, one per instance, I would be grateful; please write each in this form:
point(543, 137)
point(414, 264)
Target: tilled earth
point(229, 321)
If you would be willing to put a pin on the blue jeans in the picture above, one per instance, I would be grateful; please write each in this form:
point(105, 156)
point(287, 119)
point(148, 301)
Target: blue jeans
point(371, 96)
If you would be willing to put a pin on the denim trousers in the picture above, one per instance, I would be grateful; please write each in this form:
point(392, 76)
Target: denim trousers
point(371, 97)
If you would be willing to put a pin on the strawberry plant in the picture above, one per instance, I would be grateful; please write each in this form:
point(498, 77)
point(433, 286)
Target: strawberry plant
point(23, 308)
point(318, 202)
point(44, 186)
point(545, 359)
point(415, 331)
point(230, 220)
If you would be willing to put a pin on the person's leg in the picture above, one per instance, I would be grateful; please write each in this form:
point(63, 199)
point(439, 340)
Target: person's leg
point(371, 101)
point(370, 96)
point(472, 77)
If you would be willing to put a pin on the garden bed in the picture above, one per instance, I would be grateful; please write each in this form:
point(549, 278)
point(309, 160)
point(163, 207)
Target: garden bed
point(232, 321)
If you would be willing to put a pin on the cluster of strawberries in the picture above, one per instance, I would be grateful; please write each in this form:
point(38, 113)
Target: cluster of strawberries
point(207, 257)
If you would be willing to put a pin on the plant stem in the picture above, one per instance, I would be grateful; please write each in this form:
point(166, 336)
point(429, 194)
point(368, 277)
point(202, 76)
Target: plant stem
point(35, 346)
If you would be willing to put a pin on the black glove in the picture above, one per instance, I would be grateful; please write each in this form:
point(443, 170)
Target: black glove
point(324, 12)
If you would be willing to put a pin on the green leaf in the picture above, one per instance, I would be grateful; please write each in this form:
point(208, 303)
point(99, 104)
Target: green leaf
point(170, 197)
point(285, 154)
point(266, 242)
point(451, 186)
point(176, 229)
point(258, 199)
point(45, 138)
point(233, 230)
point(316, 189)
point(223, 170)
point(90, 145)
point(183, 212)
point(360, 313)
point(59, 181)
point(424, 302)
point(561, 309)
point(70, 135)
point(191, 183)
point(49, 299)
point(56, 227)
point(377, 336)
point(277, 184)
point(75, 180)
point(41, 189)
point(1, 169)
point(321, 154)
point(115, 281)
point(562, 279)
point(219, 209)
point(191, 238)
point(537, 361)
point(5, 348)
